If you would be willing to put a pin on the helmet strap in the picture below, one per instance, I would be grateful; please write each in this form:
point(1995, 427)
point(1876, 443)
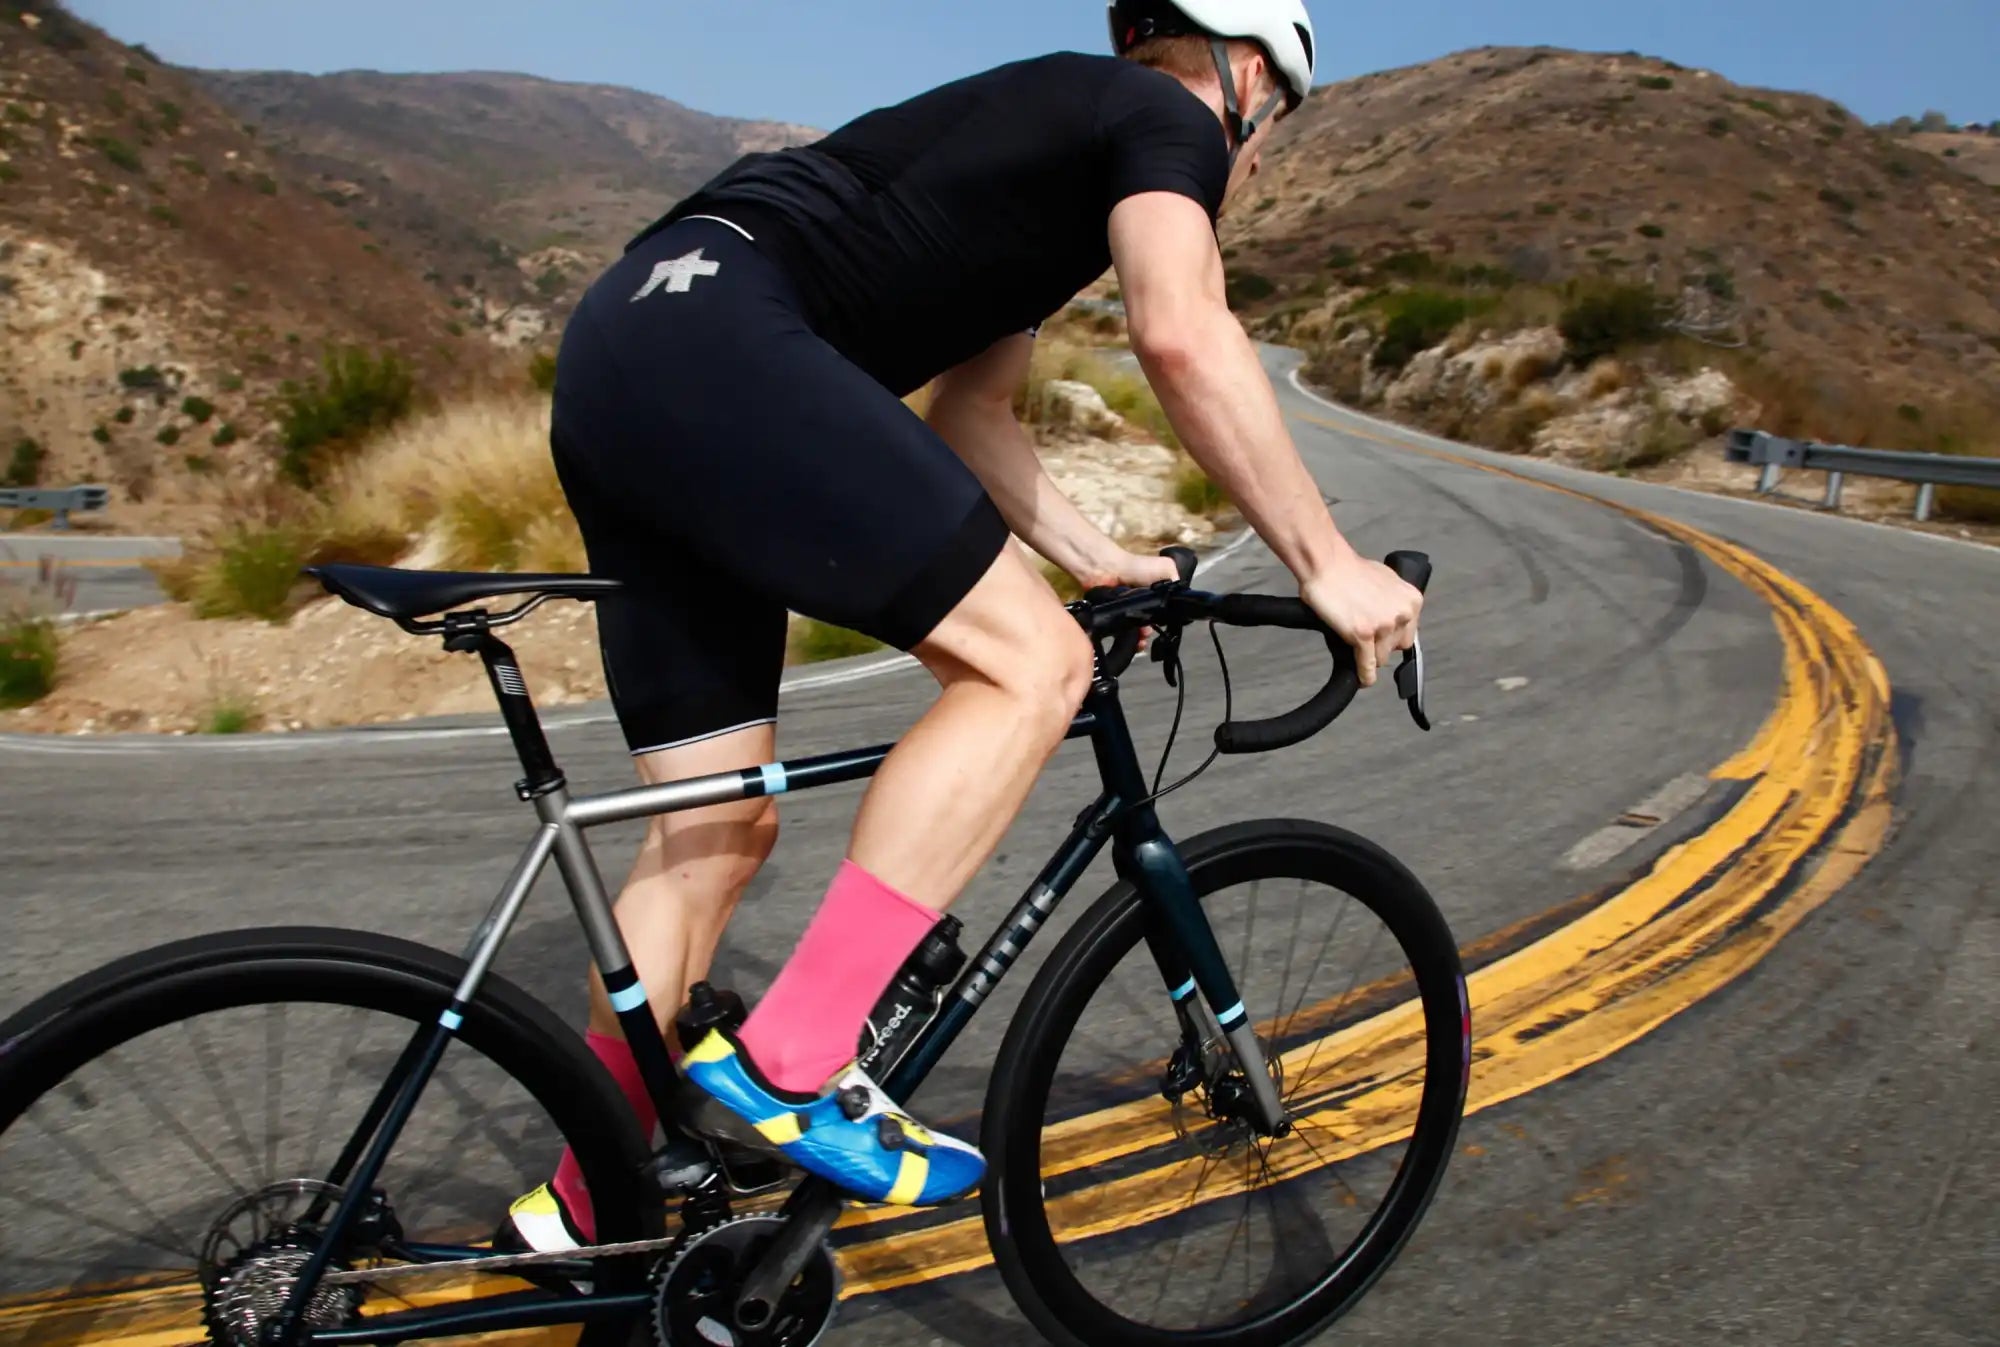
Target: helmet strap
point(1240, 128)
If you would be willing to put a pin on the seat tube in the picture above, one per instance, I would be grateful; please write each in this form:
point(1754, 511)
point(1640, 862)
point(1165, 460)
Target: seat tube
point(608, 951)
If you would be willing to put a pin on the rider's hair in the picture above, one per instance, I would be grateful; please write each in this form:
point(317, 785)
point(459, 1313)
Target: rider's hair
point(1185, 57)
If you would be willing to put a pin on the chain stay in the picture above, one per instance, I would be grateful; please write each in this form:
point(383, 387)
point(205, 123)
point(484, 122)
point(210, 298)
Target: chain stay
point(496, 1262)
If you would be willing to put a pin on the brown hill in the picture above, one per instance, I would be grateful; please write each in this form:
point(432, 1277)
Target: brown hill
point(1867, 273)
point(161, 274)
point(514, 186)
point(1977, 153)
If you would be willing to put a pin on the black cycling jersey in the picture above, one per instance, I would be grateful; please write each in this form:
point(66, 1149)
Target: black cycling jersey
point(920, 234)
point(726, 422)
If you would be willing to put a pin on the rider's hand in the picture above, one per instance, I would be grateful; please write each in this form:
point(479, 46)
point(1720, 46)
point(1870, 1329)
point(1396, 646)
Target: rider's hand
point(1128, 569)
point(1368, 606)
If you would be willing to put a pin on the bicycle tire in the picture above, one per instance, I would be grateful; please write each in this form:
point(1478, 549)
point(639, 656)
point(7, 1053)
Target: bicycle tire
point(60, 1033)
point(1014, 1196)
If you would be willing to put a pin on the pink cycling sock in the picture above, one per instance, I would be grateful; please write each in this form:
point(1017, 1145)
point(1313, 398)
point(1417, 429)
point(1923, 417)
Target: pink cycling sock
point(809, 1024)
point(617, 1057)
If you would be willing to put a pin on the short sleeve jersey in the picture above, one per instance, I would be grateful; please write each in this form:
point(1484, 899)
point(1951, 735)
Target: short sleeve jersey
point(920, 234)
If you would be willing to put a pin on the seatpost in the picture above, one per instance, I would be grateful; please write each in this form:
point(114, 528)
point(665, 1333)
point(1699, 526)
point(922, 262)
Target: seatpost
point(468, 631)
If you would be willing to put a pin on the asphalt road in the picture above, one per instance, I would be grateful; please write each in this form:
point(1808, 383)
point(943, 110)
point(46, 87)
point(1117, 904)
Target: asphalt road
point(93, 573)
point(1797, 1159)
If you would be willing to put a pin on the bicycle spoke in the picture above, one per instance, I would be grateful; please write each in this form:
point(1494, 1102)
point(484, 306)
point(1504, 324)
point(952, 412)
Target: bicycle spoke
point(1305, 1072)
point(205, 1060)
point(142, 1093)
point(1339, 916)
point(274, 1086)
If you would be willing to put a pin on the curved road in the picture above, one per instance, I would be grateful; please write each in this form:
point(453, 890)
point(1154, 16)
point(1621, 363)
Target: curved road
point(1799, 1158)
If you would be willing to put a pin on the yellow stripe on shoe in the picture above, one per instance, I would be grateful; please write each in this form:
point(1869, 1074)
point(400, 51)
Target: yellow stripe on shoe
point(781, 1130)
point(910, 1178)
point(712, 1048)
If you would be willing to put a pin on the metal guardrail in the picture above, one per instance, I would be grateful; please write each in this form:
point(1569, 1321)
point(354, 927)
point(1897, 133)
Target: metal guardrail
point(58, 499)
point(1774, 453)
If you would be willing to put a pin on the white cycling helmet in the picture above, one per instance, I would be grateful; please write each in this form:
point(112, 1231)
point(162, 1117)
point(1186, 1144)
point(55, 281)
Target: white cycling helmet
point(1281, 27)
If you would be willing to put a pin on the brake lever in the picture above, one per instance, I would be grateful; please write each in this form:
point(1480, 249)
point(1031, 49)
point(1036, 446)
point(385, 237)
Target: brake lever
point(1166, 647)
point(1410, 683)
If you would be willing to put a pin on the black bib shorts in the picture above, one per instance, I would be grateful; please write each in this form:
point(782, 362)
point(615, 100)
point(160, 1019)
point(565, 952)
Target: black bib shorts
point(728, 465)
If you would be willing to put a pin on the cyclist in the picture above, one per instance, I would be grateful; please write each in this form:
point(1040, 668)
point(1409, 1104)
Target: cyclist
point(729, 434)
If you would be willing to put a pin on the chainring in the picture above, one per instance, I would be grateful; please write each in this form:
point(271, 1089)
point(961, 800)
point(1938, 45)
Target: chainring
point(694, 1302)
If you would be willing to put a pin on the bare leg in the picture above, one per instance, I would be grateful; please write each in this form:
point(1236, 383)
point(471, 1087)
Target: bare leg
point(690, 873)
point(1013, 666)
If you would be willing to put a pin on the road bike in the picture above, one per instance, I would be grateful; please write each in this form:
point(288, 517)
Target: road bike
point(279, 1137)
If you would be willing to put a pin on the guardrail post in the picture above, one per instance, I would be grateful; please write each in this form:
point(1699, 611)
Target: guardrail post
point(1833, 484)
point(1767, 479)
point(1926, 495)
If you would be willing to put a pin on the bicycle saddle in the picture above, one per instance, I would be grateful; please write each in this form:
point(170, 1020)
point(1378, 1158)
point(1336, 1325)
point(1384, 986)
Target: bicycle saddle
point(401, 594)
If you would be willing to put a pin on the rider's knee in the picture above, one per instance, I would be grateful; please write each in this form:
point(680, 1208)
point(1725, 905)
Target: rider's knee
point(1058, 665)
point(715, 852)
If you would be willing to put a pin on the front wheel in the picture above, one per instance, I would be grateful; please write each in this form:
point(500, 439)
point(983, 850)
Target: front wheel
point(1131, 1202)
point(169, 1124)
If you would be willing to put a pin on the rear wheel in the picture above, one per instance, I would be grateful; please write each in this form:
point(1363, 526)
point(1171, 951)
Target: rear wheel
point(167, 1125)
point(1130, 1202)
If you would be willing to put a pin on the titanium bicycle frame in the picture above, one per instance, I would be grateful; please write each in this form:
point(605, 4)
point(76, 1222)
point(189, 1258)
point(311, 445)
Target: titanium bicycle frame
point(1178, 933)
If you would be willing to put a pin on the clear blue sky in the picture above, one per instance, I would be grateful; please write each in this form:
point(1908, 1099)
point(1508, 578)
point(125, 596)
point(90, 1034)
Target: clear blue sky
point(823, 61)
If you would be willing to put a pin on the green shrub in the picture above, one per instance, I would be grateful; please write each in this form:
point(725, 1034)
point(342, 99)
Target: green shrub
point(100, 434)
point(136, 74)
point(1840, 201)
point(1655, 82)
point(123, 416)
point(1718, 126)
point(229, 713)
point(1416, 321)
point(225, 435)
point(1419, 203)
point(1834, 300)
point(1548, 207)
point(1605, 317)
point(119, 153)
point(8, 173)
point(142, 378)
point(813, 641)
point(29, 653)
point(1408, 266)
point(1197, 493)
point(355, 395)
point(169, 435)
point(166, 215)
point(232, 383)
point(114, 102)
point(24, 466)
point(201, 465)
point(1248, 287)
point(266, 184)
point(1765, 106)
point(252, 574)
point(171, 117)
point(197, 409)
point(542, 371)
point(1652, 231)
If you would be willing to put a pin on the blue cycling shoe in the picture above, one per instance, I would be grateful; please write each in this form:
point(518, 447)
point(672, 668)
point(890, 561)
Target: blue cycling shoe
point(851, 1134)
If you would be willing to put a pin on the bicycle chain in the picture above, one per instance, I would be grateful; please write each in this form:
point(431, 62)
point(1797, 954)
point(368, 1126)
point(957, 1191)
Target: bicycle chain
point(495, 1262)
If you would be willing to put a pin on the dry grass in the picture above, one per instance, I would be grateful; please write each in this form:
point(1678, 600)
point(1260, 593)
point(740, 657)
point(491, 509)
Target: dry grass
point(1608, 376)
point(475, 479)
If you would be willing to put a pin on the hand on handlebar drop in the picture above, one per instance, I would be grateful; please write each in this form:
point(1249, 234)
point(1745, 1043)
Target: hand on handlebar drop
point(1368, 606)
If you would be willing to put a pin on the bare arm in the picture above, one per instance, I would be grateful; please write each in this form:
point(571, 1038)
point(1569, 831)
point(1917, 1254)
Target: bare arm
point(1215, 392)
point(972, 408)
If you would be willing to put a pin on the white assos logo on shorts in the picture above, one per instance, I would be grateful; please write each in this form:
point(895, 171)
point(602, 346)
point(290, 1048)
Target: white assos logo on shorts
point(678, 275)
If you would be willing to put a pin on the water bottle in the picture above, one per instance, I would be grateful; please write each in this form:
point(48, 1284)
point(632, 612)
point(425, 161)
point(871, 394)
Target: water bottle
point(912, 999)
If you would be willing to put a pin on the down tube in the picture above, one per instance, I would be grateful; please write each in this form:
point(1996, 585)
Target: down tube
point(985, 969)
